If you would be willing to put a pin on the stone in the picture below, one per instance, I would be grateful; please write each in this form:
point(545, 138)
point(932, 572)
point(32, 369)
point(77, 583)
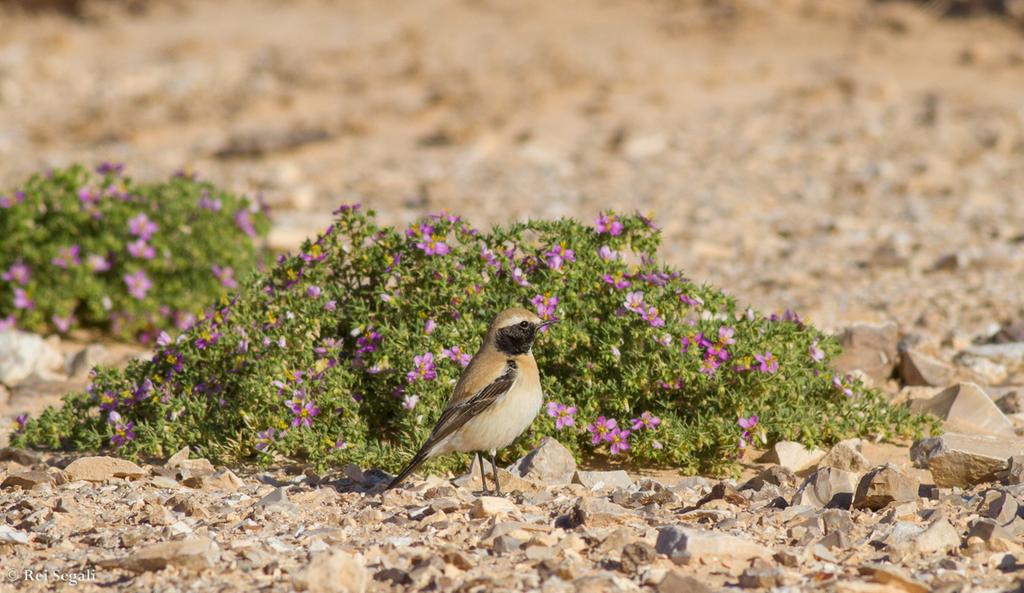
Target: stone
point(792, 456)
point(726, 492)
point(883, 486)
point(894, 577)
point(1010, 353)
point(333, 572)
point(966, 408)
point(988, 372)
point(677, 582)
point(505, 544)
point(681, 544)
point(870, 348)
point(595, 512)
point(193, 553)
point(635, 555)
point(489, 506)
point(549, 463)
point(999, 506)
point(10, 535)
point(224, 479)
point(846, 455)
point(939, 537)
point(964, 460)
point(27, 480)
point(1014, 473)
point(24, 354)
point(596, 480)
point(995, 537)
point(827, 487)
point(760, 578)
point(100, 469)
point(774, 475)
point(917, 368)
point(20, 456)
point(79, 364)
point(509, 481)
point(1011, 401)
point(276, 500)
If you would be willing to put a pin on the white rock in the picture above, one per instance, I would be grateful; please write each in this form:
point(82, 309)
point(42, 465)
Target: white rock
point(966, 408)
point(489, 506)
point(23, 354)
point(337, 572)
point(793, 456)
point(99, 469)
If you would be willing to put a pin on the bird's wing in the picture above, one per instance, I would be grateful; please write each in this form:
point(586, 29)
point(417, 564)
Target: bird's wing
point(459, 412)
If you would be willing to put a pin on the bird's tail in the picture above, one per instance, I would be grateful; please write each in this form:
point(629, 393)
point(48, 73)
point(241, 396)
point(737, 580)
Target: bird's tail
point(417, 460)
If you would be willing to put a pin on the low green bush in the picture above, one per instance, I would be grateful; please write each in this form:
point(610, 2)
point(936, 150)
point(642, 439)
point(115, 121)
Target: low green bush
point(349, 350)
point(95, 249)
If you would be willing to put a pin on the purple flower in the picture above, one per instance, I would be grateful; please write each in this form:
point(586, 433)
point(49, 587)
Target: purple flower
point(619, 439)
point(313, 292)
point(140, 249)
point(423, 368)
point(7, 323)
point(331, 305)
point(98, 263)
point(646, 420)
point(123, 431)
point(709, 366)
point(843, 385)
point(725, 336)
point(264, 439)
point(206, 339)
point(18, 272)
point(563, 414)
point(243, 220)
point(545, 304)
point(108, 168)
point(601, 430)
point(163, 340)
point(429, 326)
point(63, 324)
point(608, 223)
point(142, 227)
point(346, 208)
point(489, 257)
point(817, 354)
point(559, 255)
point(304, 412)
point(767, 362)
point(694, 302)
point(89, 196)
point(409, 401)
point(341, 444)
point(208, 203)
point(138, 284)
point(635, 302)
point(22, 300)
point(22, 420)
point(652, 317)
point(429, 243)
point(606, 253)
point(519, 277)
point(226, 275)
point(67, 257)
point(457, 355)
point(747, 424)
point(617, 280)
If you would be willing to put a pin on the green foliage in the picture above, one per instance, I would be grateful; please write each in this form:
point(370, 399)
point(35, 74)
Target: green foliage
point(79, 249)
point(325, 357)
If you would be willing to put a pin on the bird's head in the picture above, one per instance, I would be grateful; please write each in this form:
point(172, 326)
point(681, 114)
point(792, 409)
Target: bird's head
point(514, 330)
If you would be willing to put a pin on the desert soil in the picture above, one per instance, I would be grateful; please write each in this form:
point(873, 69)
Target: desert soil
point(854, 161)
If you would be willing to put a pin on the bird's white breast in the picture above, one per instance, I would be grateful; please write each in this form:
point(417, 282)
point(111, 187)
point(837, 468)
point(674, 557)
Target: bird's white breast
point(501, 423)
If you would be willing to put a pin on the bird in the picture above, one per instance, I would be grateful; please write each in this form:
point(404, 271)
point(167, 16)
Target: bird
point(496, 399)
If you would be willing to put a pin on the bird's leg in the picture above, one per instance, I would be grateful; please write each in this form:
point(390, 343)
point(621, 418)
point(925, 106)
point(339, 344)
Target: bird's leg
point(483, 477)
point(494, 468)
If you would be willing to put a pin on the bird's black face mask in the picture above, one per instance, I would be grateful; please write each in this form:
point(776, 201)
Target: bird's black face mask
point(516, 339)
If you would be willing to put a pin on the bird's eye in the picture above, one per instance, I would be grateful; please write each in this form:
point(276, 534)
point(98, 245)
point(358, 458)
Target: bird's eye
point(524, 324)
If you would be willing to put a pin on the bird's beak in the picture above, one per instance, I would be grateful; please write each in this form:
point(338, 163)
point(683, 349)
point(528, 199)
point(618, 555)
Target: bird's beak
point(546, 323)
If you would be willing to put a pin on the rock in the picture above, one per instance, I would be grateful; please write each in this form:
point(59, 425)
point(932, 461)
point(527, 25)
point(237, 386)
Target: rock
point(987, 371)
point(964, 460)
point(550, 463)
point(792, 456)
point(1001, 507)
point(595, 512)
point(636, 555)
point(510, 482)
point(335, 572)
point(596, 480)
point(917, 368)
point(99, 469)
point(194, 553)
point(966, 408)
point(489, 506)
point(827, 487)
point(870, 348)
point(175, 460)
point(939, 537)
point(760, 578)
point(1011, 402)
point(681, 544)
point(79, 364)
point(505, 544)
point(884, 485)
point(224, 479)
point(27, 480)
point(277, 500)
point(23, 354)
point(677, 582)
point(10, 535)
point(1011, 353)
point(894, 577)
point(1014, 473)
point(995, 537)
point(20, 456)
point(774, 475)
point(846, 455)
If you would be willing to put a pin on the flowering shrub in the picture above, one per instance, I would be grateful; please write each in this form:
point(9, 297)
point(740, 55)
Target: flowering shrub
point(348, 351)
point(81, 248)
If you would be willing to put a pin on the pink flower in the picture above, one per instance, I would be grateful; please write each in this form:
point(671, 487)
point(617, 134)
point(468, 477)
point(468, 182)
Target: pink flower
point(138, 284)
point(616, 280)
point(747, 424)
point(429, 326)
point(140, 249)
point(652, 317)
point(98, 263)
point(313, 292)
point(601, 430)
point(725, 336)
point(606, 253)
point(816, 353)
point(423, 368)
point(63, 324)
point(646, 420)
point(243, 220)
point(545, 304)
point(22, 300)
point(519, 277)
point(304, 412)
point(18, 272)
point(7, 323)
point(635, 302)
point(694, 302)
point(559, 255)
point(67, 257)
point(455, 354)
point(142, 227)
point(226, 275)
point(619, 439)
point(564, 415)
point(607, 223)
point(429, 243)
point(409, 402)
point(768, 362)
point(490, 257)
